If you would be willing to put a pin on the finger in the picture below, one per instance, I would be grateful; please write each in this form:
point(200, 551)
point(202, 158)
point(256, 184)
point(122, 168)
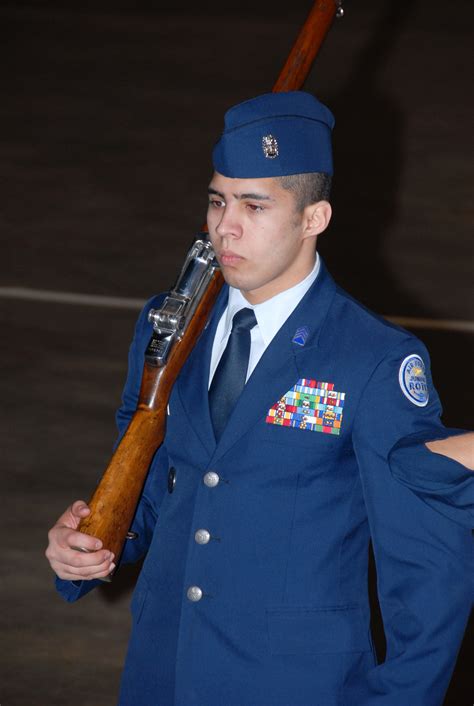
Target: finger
point(85, 573)
point(78, 562)
point(81, 542)
point(79, 559)
point(80, 509)
point(69, 573)
point(68, 547)
point(86, 560)
point(63, 539)
point(73, 515)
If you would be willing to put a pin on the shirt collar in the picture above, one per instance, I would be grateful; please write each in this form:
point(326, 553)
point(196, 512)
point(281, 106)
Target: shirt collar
point(272, 313)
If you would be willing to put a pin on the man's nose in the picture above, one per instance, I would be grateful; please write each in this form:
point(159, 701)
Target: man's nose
point(229, 225)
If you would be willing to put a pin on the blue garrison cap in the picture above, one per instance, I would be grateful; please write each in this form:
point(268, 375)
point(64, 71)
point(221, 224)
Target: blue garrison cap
point(275, 134)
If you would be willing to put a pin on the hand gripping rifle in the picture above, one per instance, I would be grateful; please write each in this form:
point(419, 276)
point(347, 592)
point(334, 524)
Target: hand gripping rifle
point(176, 328)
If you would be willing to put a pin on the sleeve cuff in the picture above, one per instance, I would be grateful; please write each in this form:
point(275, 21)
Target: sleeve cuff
point(73, 590)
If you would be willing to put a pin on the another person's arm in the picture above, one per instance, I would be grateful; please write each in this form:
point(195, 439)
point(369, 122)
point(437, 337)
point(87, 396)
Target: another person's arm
point(458, 448)
point(437, 465)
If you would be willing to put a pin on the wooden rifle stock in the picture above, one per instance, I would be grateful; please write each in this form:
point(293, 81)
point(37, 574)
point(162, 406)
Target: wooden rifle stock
point(114, 502)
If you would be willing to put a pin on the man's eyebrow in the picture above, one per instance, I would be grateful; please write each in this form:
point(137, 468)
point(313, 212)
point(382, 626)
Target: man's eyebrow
point(254, 197)
point(214, 191)
point(242, 197)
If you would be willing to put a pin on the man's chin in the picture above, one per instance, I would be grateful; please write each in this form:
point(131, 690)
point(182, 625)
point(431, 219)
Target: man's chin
point(232, 277)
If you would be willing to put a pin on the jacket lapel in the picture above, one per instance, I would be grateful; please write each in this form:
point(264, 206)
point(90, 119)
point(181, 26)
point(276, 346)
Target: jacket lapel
point(192, 383)
point(282, 364)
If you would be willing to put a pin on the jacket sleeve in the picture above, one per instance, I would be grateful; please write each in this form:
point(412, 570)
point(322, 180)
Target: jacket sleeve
point(438, 480)
point(422, 558)
point(147, 510)
point(146, 513)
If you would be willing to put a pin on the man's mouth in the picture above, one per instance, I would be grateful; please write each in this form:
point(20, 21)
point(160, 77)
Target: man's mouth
point(227, 257)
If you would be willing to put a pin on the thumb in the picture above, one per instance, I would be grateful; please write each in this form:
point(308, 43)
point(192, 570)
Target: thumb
point(74, 514)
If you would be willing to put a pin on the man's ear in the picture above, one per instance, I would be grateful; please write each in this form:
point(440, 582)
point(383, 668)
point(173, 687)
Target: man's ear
point(316, 218)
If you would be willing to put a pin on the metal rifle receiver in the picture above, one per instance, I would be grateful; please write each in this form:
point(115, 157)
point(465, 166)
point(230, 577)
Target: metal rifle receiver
point(171, 320)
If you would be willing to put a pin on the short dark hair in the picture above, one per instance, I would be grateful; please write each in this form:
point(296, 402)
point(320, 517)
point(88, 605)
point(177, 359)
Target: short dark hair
point(308, 188)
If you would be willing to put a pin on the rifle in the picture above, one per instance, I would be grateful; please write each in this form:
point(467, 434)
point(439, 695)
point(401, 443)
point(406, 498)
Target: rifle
point(176, 328)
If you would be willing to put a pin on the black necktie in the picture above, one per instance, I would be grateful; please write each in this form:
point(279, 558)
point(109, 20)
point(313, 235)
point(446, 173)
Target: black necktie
point(229, 378)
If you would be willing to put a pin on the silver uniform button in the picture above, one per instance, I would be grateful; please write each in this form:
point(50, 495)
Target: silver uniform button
point(211, 479)
point(194, 594)
point(202, 536)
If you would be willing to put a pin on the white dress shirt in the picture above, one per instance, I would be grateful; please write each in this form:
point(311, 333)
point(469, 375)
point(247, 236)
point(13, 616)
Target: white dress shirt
point(270, 315)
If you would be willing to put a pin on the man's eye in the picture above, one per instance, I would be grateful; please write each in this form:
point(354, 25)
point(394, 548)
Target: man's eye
point(255, 207)
point(216, 203)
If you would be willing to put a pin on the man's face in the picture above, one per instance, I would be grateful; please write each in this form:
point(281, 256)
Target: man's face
point(258, 236)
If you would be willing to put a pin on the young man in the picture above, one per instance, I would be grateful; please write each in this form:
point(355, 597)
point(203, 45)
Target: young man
point(259, 506)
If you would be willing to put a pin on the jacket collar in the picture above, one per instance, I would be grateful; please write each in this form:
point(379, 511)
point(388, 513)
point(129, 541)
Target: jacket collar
point(280, 366)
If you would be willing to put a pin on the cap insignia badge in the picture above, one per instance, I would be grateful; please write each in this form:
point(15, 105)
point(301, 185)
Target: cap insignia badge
point(270, 146)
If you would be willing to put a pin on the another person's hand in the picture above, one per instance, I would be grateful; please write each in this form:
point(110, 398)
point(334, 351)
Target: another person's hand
point(459, 448)
point(67, 562)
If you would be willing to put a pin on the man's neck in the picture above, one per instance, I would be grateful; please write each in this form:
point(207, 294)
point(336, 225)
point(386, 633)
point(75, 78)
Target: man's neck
point(264, 294)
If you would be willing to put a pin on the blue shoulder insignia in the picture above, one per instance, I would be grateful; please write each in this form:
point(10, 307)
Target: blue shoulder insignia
point(412, 380)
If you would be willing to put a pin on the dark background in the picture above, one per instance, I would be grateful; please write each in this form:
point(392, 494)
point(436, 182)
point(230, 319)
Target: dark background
point(108, 114)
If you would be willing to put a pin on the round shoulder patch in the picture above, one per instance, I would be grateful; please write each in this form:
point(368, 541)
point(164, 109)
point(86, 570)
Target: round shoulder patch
point(412, 380)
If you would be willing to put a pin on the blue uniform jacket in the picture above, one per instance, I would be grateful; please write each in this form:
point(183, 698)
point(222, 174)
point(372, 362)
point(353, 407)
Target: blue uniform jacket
point(284, 614)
